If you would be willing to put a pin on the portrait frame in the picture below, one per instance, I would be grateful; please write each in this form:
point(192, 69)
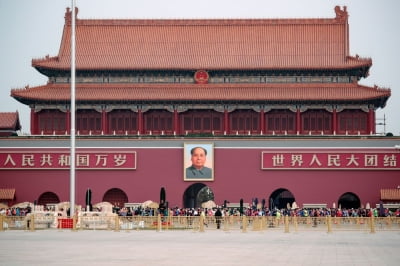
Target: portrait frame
point(188, 174)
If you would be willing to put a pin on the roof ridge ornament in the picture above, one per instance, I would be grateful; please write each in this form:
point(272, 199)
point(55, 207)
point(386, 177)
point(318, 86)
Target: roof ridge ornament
point(341, 15)
point(68, 14)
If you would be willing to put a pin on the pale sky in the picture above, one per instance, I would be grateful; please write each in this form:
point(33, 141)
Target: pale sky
point(32, 29)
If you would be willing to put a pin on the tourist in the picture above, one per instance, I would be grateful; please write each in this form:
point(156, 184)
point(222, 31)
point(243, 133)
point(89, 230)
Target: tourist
point(218, 216)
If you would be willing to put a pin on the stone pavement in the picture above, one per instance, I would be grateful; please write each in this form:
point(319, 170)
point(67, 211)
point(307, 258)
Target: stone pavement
point(65, 247)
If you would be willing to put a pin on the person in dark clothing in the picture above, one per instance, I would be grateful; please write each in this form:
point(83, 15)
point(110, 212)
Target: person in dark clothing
point(218, 217)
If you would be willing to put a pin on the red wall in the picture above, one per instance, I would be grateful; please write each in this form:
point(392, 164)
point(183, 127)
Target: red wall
point(237, 171)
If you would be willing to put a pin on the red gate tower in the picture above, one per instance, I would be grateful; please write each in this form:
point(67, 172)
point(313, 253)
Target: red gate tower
point(276, 103)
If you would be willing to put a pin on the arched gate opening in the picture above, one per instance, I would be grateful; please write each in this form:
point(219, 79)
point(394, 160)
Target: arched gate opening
point(196, 194)
point(48, 198)
point(280, 199)
point(349, 200)
point(116, 197)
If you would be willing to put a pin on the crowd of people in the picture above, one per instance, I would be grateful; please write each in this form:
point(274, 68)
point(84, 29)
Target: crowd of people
point(250, 211)
point(15, 211)
point(300, 212)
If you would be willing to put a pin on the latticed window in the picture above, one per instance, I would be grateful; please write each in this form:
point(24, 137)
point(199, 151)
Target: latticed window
point(207, 123)
point(217, 126)
point(158, 121)
point(88, 121)
point(52, 121)
point(202, 121)
point(243, 121)
point(317, 121)
point(122, 121)
point(281, 121)
point(353, 122)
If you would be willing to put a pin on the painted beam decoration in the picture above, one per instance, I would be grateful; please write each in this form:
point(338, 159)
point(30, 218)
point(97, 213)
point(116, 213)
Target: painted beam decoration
point(52, 159)
point(330, 159)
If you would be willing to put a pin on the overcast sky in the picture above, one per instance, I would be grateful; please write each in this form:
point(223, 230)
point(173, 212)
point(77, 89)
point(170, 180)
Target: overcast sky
point(32, 29)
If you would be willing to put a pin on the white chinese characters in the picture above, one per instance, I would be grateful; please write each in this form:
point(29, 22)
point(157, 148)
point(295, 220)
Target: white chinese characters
point(334, 160)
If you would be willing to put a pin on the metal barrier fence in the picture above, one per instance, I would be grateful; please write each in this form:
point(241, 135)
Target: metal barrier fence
point(200, 223)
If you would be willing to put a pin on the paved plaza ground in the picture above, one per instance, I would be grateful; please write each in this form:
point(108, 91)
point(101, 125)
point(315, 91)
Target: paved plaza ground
point(65, 247)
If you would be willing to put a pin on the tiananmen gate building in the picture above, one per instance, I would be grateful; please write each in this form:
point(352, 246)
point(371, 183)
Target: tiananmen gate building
point(275, 103)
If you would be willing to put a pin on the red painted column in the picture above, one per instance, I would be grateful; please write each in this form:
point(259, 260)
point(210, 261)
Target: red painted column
point(176, 122)
point(34, 122)
point(226, 122)
point(334, 121)
point(262, 121)
point(140, 121)
point(104, 122)
point(68, 121)
point(298, 121)
point(371, 121)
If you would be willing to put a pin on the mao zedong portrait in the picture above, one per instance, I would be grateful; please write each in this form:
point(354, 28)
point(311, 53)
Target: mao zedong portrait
point(198, 170)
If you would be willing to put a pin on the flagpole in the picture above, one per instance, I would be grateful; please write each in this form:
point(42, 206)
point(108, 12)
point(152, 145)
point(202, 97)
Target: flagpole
point(72, 157)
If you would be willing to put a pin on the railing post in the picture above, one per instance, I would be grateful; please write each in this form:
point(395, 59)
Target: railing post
point(201, 225)
point(257, 223)
point(32, 222)
point(244, 224)
point(74, 222)
point(138, 223)
point(129, 224)
point(168, 221)
point(372, 224)
point(226, 223)
point(116, 228)
point(389, 221)
point(254, 224)
point(286, 224)
point(1, 223)
point(329, 221)
point(159, 226)
point(262, 223)
point(295, 223)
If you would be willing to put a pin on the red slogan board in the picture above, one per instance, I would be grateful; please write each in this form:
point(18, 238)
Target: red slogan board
point(60, 159)
point(333, 159)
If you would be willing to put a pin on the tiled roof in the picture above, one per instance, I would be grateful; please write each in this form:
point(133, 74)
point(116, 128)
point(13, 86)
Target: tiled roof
point(203, 92)
point(210, 44)
point(10, 121)
point(7, 193)
point(390, 194)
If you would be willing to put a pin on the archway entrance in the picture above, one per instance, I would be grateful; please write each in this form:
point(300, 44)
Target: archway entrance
point(48, 198)
point(196, 194)
point(280, 198)
point(349, 200)
point(116, 197)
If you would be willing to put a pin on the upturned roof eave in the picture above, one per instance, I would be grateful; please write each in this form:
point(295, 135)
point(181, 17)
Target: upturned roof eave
point(379, 102)
point(12, 119)
point(228, 93)
point(44, 68)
